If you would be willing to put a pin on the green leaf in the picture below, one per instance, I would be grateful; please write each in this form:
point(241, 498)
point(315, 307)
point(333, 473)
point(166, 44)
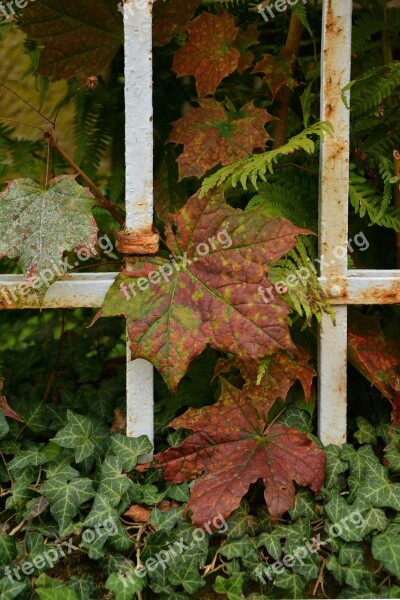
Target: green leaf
point(129, 449)
point(292, 584)
point(392, 451)
point(66, 498)
point(232, 587)
point(54, 589)
point(10, 590)
point(125, 587)
point(82, 434)
point(386, 549)
point(37, 227)
point(34, 456)
point(8, 549)
point(366, 432)
point(113, 483)
point(334, 465)
point(84, 586)
point(4, 427)
point(165, 520)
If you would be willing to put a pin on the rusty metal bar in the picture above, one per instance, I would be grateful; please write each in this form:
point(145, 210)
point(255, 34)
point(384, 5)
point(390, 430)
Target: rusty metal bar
point(333, 225)
point(139, 186)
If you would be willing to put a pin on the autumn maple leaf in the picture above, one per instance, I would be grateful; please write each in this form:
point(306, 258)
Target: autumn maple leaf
point(243, 42)
point(210, 291)
point(170, 18)
point(234, 446)
point(375, 357)
point(277, 72)
point(211, 136)
point(209, 54)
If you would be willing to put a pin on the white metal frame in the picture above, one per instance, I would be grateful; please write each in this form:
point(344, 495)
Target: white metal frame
point(344, 287)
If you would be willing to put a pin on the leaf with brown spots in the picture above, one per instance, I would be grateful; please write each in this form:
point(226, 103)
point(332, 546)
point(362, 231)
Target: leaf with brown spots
point(377, 358)
point(209, 54)
point(243, 42)
point(234, 446)
point(212, 136)
point(80, 38)
point(170, 18)
point(275, 376)
point(277, 72)
point(208, 291)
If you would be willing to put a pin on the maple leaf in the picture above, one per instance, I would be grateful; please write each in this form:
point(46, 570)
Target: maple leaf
point(377, 358)
point(170, 18)
point(211, 136)
point(277, 71)
point(274, 378)
point(80, 38)
point(209, 54)
point(243, 42)
point(37, 226)
point(208, 293)
point(234, 446)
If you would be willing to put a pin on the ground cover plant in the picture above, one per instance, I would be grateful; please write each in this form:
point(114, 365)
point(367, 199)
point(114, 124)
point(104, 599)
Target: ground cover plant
point(241, 499)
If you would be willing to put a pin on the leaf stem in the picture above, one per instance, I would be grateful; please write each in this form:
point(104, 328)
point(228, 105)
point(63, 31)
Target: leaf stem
point(26, 102)
point(103, 200)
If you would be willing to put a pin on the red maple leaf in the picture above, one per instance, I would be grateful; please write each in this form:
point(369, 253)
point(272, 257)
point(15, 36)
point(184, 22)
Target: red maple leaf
point(170, 18)
point(211, 136)
point(243, 42)
point(377, 358)
point(210, 291)
point(234, 446)
point(277, 72)
point(209, 54)
point(277, 375)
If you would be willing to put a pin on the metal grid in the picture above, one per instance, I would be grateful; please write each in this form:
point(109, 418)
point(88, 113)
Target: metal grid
point(343, 286)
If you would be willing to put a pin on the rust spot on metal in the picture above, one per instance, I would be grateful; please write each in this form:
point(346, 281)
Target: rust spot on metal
point(134, 242)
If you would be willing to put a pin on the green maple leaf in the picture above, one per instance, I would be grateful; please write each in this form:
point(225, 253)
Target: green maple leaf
point(211, 295)
point(79, 38)
point(38, 226)
point(82, 434)
point(66, 498)
point(128, 450)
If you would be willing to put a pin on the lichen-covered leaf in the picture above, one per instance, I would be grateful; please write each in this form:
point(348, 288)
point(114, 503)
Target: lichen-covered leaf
point(79, 38)
point(208, 292)
point(37, 226)
point(235, 446)
point(211, 136)
point(209, 54)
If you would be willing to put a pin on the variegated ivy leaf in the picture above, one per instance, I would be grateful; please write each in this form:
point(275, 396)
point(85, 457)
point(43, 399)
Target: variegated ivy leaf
point(37, 226)
point(128, 450)
point(386, 549)
point(83, 434)
point(66, 498)
point(113, 483)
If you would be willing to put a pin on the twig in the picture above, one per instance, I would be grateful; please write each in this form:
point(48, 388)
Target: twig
point(320, 580)
point(17, 528)
point(26, 102)
point(105, 203)
point(291, 49)
point(7, 469)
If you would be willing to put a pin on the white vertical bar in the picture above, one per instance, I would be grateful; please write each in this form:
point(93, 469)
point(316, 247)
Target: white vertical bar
point(139, 186)
point(336, 73)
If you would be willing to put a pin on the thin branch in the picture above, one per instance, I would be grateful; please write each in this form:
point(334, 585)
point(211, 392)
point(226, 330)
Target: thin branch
point(105, 203)
point(290, 50)
point(22, 123)
point(26, 102)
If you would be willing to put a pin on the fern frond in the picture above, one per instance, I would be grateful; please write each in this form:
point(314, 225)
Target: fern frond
point(306, 297)
point(366, 201)
point(371, 89)
point(254, 167)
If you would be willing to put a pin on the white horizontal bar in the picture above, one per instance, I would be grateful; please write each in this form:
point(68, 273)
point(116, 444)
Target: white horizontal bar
point(363, 287)
point(77, 290)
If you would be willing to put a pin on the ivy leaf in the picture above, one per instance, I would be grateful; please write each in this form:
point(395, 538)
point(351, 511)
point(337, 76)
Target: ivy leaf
point(386, 549)
point(209, 54)
point(232, 587)
point(66, 498)
point(392, 451)
point(277, 71)
point(170, 18)
point(37, 226)
point(366, 432)
point(235, 447)
point(79, 39)
point(82, 434)
point(8, 549)
point(211, 136)
point(124, 588)
point(48, 588)
point(113, 483)
point(129, 449)
point(220, 257)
